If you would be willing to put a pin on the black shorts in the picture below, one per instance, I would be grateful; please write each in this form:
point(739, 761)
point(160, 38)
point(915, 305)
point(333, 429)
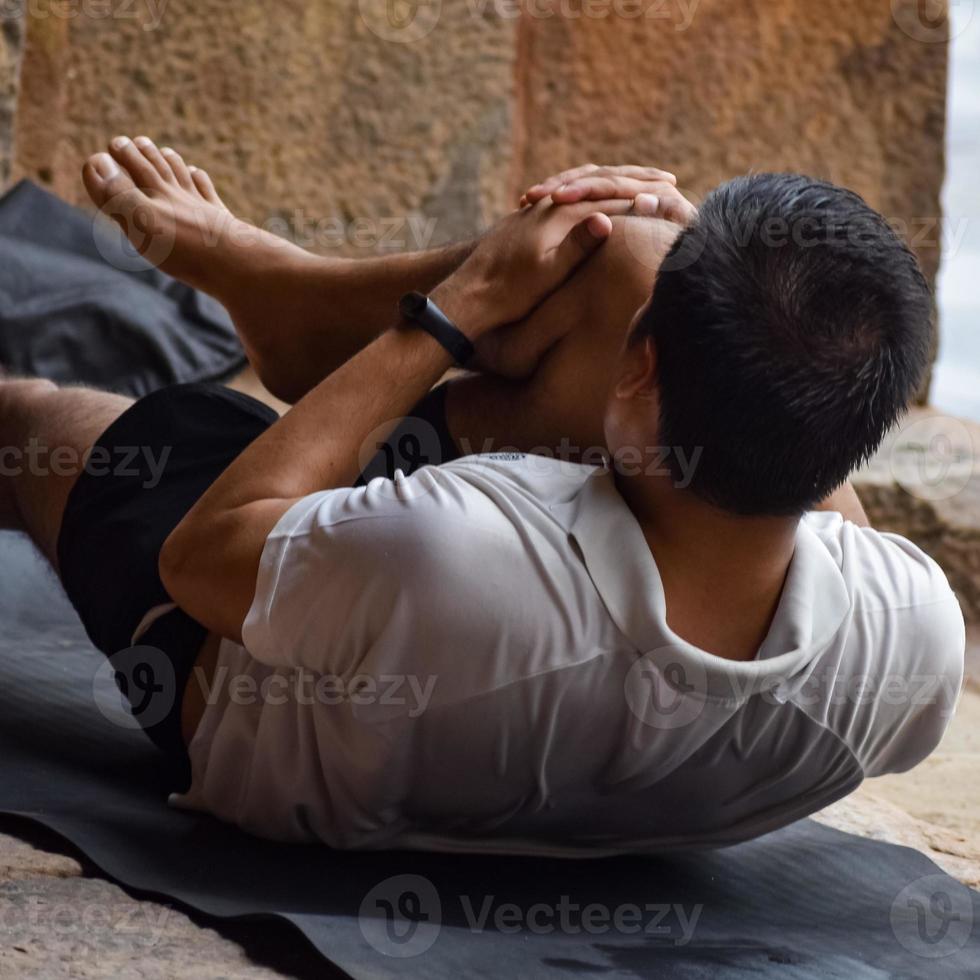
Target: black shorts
point(166, 450)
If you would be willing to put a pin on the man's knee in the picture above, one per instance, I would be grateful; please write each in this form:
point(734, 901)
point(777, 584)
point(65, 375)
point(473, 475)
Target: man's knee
point(21, 398)
point(14, 389)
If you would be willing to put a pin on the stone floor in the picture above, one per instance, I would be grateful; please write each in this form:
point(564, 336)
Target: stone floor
point(60, 919)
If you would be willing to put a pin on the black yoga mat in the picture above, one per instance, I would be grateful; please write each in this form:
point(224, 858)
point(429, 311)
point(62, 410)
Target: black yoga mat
point(77, 304)
point(804, 902)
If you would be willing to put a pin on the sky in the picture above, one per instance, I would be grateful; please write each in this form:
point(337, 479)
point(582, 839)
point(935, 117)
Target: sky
point(956, 386)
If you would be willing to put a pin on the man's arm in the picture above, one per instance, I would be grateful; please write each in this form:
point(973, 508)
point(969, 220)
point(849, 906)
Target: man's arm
point(210, 562)
point(845, 501)
point(332, 308)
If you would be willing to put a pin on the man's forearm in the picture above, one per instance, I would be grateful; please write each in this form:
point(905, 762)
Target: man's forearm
point(333, 308)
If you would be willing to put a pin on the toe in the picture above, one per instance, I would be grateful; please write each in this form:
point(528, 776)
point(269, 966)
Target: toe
point(179, 168)
point(205, 186)
point(104, 179)
point(128, 155)
point(158, 161)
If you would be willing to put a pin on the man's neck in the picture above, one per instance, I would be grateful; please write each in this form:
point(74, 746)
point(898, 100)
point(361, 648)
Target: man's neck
point(722, 574)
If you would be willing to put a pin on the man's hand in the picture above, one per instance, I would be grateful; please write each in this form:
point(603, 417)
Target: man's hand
point(593, 183)
point(526, 256)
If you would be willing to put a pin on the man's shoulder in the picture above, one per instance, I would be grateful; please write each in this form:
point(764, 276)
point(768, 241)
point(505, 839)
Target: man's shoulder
point(881, 570)
point(542, 473)
point(889, 681)
point(493, 498)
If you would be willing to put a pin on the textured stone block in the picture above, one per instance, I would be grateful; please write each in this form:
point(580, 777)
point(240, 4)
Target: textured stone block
point(314, 115)
point(11, 43)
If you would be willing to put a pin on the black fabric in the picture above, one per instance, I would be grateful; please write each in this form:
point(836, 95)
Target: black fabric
point(145, 473)
point(805, 903)
point(158, 458)
point(78, 305)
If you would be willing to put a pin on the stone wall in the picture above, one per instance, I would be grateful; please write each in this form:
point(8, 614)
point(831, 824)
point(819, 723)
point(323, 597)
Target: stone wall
point(924, 483)
point(314, 114)
point(11, 45)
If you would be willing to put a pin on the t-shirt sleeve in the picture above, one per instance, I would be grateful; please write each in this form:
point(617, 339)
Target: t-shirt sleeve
point(341, 571)
point(919, 673)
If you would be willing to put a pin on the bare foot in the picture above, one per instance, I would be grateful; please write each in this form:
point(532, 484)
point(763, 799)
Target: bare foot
point(299, 315)
point(273, 289)
point(173, 216)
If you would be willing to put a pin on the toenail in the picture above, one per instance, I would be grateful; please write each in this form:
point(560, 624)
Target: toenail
point(105, 166)
point(119, 142)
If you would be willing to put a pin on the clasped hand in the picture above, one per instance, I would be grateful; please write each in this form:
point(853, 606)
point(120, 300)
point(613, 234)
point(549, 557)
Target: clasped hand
point(531, 251)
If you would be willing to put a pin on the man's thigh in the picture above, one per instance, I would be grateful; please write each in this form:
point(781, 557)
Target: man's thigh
point(46, 433)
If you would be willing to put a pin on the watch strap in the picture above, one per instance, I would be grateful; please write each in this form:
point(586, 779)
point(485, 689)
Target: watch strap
point(418, 309)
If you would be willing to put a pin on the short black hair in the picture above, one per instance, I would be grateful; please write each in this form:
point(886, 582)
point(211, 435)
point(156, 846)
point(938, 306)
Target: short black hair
point(792, 328)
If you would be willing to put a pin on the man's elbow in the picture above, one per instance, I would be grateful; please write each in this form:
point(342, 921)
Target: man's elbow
point(175, 564)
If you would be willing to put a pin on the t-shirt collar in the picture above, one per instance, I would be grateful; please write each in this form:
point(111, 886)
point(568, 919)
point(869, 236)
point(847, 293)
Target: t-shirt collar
point(811, 610)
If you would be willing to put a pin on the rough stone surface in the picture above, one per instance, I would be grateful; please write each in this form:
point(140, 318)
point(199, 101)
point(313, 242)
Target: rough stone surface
point(345, 111)
point(850, 91)
point(59, 920)
point(377, 125)
point(11, 44)
point(868, 815)
point(924, 483)
point(306, 116)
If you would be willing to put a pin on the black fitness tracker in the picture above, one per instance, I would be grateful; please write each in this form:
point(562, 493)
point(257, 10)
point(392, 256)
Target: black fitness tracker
point(417, 308)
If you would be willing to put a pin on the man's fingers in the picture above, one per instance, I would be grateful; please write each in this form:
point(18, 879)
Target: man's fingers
point(534, 194)
point(646, 205)
point(581, 242)
point(674, 206)
point(667, 203)
point(594, 187)
point(640, 174)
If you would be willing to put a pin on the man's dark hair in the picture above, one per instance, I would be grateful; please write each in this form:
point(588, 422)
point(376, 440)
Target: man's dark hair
point(792, 328)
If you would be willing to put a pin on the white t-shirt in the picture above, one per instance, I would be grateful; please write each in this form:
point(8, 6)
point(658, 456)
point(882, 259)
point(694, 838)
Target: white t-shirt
point(477, 658)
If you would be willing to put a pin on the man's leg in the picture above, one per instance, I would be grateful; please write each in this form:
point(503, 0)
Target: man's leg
point(299, 315)
point(46, 433)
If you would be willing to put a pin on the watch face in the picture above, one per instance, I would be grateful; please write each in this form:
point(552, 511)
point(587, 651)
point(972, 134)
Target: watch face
point(412, 304)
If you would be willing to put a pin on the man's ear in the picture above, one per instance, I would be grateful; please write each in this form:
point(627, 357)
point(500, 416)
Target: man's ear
point(638, 371)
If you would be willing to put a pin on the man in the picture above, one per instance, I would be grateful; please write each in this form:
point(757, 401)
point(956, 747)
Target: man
point(514, 652)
